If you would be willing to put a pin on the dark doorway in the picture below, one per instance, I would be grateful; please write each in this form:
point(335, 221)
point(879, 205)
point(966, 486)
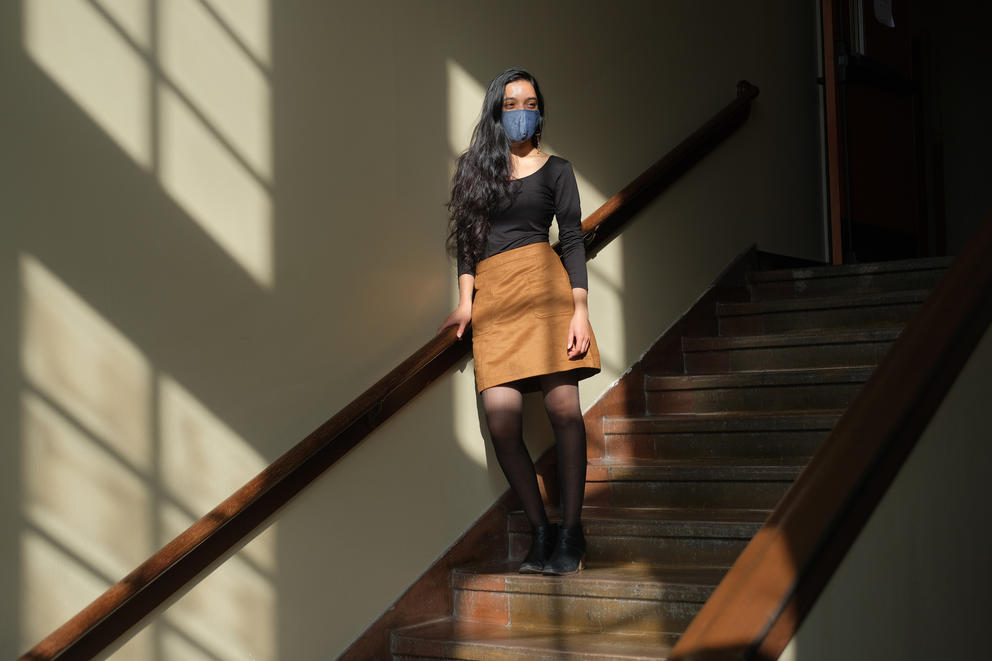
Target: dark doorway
point(883, 161)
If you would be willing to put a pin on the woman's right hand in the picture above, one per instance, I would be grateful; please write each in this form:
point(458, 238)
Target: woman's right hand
point(461, 317)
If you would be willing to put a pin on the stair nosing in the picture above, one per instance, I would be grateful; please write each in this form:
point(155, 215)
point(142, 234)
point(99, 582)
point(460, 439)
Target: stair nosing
point(640, 587)
point(831, 302)
point(814, 376)
point(707, 469)
point(710, 422)
point(804, 338)
point(848, 270)
point(734, 528)
point(409, 635)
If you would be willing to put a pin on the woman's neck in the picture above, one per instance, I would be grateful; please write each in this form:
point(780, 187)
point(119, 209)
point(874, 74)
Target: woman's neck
point(523, 149)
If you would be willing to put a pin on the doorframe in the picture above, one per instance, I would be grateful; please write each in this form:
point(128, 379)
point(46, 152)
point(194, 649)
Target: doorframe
point(832, 130)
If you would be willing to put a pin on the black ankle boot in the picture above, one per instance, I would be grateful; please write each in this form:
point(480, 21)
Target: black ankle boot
point(541, 547)
point(569, 552)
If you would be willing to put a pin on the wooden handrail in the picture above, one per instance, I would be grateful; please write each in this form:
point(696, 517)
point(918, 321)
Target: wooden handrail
point(219, 533)
point(760, 603)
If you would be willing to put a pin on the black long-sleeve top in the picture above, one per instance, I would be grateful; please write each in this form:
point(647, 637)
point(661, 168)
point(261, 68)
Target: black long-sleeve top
point(549, 192)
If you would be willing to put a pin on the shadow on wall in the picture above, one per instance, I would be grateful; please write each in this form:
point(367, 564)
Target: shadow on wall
point(140, 207)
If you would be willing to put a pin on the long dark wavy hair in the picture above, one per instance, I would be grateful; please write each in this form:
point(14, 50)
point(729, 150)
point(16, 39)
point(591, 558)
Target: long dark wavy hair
point(482, 178)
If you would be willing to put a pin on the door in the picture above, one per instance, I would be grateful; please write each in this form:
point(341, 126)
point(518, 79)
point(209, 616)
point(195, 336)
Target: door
point(874, 123)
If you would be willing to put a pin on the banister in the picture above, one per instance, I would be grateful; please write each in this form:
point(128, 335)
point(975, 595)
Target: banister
point(762, 600)
point(217, 534)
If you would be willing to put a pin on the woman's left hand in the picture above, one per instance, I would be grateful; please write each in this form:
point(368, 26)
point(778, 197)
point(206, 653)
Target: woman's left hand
point(579, 335)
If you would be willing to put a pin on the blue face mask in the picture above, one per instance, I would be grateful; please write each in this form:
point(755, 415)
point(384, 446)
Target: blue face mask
point(520, 124)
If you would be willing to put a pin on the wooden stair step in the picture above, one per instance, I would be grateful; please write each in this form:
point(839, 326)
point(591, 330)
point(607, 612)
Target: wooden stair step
point(718, 482)
point(451, 638)
point(621, 599)
point(743, 434)
point(819, 312)
point(702, 469)
point(864, 278)
point(640, 581)
point(783, 389)
point(839, 270)
point(832, 348)
point(739, 523)
point(719, 421)
point(731, 309)
point(802, 338)
point(759, 378)
point(655, 535)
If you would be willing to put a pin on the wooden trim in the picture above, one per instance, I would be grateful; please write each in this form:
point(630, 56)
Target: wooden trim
point(832, 119)
point(220, 532)
point(763, 599)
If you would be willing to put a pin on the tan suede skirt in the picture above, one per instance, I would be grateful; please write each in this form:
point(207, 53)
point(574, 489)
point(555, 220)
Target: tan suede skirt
point(520, 316)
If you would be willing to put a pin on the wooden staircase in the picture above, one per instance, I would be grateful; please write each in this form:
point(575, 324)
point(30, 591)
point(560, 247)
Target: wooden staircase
point(675, 492)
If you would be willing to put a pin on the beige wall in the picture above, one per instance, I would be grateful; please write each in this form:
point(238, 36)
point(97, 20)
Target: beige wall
point(220, 226)
point(915, 583)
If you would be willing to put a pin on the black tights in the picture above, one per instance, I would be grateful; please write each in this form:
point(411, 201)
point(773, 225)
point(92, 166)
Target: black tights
point(504, 416)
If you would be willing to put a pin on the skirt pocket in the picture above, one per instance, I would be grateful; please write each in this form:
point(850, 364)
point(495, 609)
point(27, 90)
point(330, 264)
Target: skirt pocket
point(489, 304)
point(550, 290)
point(482, 313)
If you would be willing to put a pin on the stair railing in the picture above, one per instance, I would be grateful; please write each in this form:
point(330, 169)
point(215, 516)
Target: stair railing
point(163, 577)
point(760, 603)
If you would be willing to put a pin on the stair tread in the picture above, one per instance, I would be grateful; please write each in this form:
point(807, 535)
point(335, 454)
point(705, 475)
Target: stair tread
point(615, 580)
point(465, 639)
point(733, 421)
point(842, 270)
point(651, 462)
point(756, 378)
point(796, 338)
point(660, 521)
point(822, 303)
point(697, 469)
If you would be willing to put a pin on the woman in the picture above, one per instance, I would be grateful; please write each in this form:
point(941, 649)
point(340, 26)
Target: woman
point(528, 309)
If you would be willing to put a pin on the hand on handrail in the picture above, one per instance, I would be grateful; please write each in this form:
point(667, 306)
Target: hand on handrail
point(460, 317)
